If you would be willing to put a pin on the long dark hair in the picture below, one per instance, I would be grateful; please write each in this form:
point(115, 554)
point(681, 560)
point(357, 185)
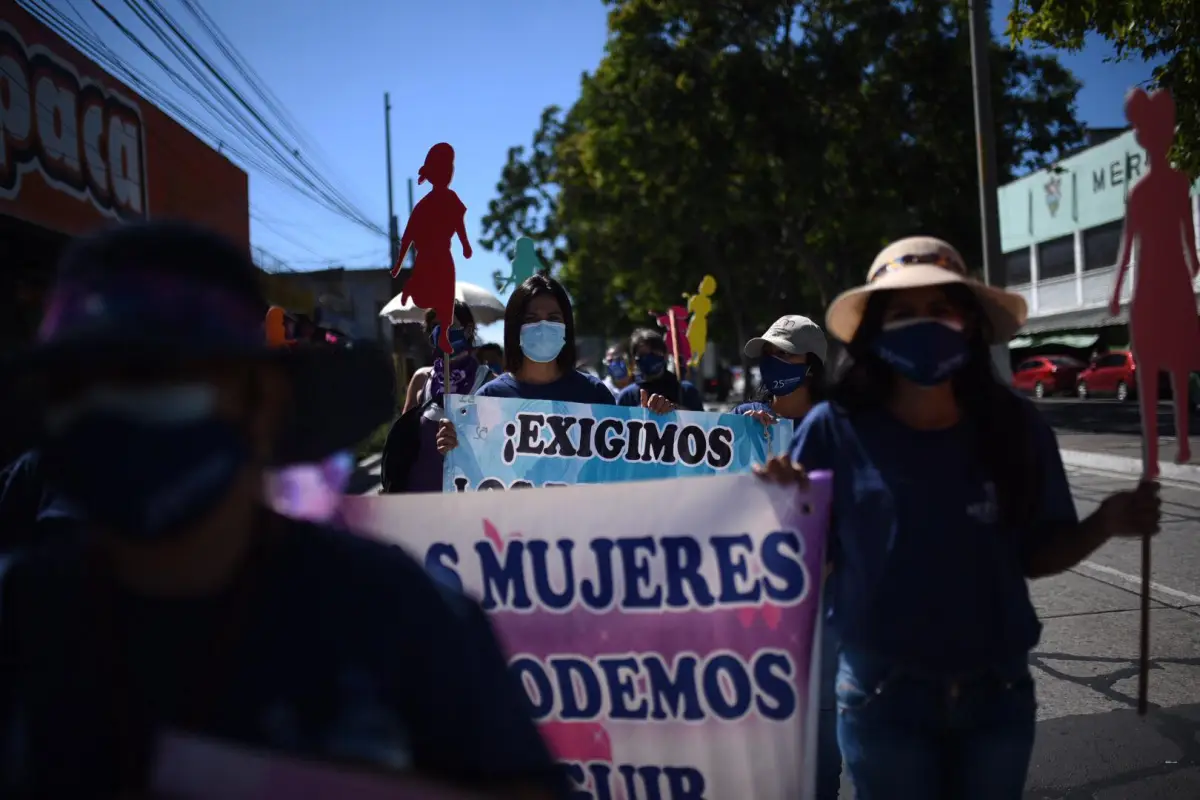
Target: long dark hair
point(1000, 421)
point(462, 314)
point(514, 318)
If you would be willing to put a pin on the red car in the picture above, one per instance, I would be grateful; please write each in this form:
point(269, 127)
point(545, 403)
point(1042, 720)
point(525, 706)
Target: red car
point(1047, 375)
point(1112, 374)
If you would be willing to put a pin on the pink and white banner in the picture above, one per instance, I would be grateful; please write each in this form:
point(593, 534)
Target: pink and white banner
point(665, 631)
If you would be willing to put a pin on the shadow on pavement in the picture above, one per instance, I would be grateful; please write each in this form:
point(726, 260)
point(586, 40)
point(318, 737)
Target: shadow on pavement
point(1115, 755)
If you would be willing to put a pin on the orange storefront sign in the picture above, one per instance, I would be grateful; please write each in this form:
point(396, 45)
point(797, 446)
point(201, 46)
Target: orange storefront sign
point(79, 149)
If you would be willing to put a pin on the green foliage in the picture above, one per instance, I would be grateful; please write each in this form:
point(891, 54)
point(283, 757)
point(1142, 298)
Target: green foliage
point(774, 145)
point(1141, 29)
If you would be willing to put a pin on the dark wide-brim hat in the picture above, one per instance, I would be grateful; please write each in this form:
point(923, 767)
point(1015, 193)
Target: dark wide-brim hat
point(171, 293)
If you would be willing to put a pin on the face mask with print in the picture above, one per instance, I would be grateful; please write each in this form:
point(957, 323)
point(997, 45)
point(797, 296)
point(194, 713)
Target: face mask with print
point(142, 463)
point(781, 377)
point(925, 351)
point(543, 341)
point(618, 370)
point(651, 365)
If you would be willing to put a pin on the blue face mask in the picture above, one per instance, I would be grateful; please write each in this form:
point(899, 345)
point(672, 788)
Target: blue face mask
point(618, 369)
point(458, 339)
point(144, 463)
point(651, 365)
point(780, 377)
point(496, 367)
point(925, 351)
point(543, 341)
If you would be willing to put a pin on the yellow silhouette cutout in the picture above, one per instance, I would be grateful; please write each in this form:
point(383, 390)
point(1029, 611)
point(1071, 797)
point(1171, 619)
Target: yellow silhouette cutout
point(699, 305)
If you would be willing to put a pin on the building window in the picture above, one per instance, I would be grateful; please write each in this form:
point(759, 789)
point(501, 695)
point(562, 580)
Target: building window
point(1016, 267)
point(1056, 258)
point(1101, 245)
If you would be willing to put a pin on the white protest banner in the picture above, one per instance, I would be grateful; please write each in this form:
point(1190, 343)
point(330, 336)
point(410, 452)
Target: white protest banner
point(663, 630)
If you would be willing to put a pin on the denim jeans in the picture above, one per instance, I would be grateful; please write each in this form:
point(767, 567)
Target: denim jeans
point(911, 736)
point(829, 755)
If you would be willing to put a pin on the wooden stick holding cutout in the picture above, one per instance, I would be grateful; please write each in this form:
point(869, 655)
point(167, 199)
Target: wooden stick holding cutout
point(674, 322)
point(1164, 328)
point(675, 344)
point(437, 217)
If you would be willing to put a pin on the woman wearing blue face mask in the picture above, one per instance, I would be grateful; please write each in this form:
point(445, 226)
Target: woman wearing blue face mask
point(467, 372)
point(949, 492)
point(792, 356)
point(616, 365)
point(539, 353)
point(655, 386)
point(422, 470)
point(792, 366)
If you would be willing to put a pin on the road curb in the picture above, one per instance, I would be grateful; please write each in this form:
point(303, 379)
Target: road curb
point(1184, 473)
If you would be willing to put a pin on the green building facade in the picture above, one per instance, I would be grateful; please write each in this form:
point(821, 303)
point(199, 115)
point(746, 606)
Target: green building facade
point(1060, 232)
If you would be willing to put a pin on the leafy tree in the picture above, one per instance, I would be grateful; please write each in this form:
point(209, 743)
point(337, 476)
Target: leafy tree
point(775, 145)
point(1143, 29)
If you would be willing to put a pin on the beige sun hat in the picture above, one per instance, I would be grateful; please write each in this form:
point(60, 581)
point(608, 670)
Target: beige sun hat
point(924, 261)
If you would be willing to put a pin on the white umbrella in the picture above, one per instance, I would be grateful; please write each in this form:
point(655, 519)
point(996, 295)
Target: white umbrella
point(486, 307)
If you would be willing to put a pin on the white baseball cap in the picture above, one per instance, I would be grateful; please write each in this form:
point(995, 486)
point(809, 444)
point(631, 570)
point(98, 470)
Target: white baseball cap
point(792, 334)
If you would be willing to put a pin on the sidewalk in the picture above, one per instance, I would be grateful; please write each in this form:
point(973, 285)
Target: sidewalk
point(1122, 453)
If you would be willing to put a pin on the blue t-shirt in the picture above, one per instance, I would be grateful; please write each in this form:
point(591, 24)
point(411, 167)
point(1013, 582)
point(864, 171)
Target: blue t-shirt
point(683, 393)
point(926, 574)
point(347, 650)
point(573, 387)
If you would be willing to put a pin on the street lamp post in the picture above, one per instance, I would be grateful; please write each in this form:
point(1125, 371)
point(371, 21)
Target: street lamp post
point(985, 146)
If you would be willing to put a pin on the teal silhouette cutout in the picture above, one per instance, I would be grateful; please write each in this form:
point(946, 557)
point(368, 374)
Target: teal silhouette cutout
point(524, 264)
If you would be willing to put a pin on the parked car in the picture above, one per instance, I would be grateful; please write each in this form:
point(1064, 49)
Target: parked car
point(1044, 376)
point(1109, 375)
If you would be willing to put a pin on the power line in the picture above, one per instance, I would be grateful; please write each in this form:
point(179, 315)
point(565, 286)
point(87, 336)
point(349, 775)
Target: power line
point(288, 149)
point(219, 91)
point(91, 46)
point(247, 143)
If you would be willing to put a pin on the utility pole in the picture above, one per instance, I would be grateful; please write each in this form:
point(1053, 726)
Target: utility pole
point(399, 337)
point(985, 146)
point(410, 212)
point(393, 241)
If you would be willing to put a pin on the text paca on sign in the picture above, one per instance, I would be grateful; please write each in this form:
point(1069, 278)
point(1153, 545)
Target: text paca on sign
point(85, 139)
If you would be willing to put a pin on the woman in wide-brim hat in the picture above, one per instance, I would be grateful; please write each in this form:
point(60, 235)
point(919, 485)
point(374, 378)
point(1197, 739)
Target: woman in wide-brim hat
point(949, 492)
point(159, 404)
point(120, 392)
point(136, 299)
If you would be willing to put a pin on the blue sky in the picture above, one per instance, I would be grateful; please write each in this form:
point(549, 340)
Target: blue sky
point(474, 73)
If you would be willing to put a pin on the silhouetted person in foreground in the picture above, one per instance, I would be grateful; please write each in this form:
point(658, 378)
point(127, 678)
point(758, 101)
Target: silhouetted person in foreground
point(189, 606)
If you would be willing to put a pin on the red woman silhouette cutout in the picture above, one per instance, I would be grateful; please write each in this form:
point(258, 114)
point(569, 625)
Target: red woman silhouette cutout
point(1163, 323)
point(437, 217)
point(674, 323)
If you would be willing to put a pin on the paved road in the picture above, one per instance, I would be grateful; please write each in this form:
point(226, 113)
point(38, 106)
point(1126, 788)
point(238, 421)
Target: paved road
point(1091, 743)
